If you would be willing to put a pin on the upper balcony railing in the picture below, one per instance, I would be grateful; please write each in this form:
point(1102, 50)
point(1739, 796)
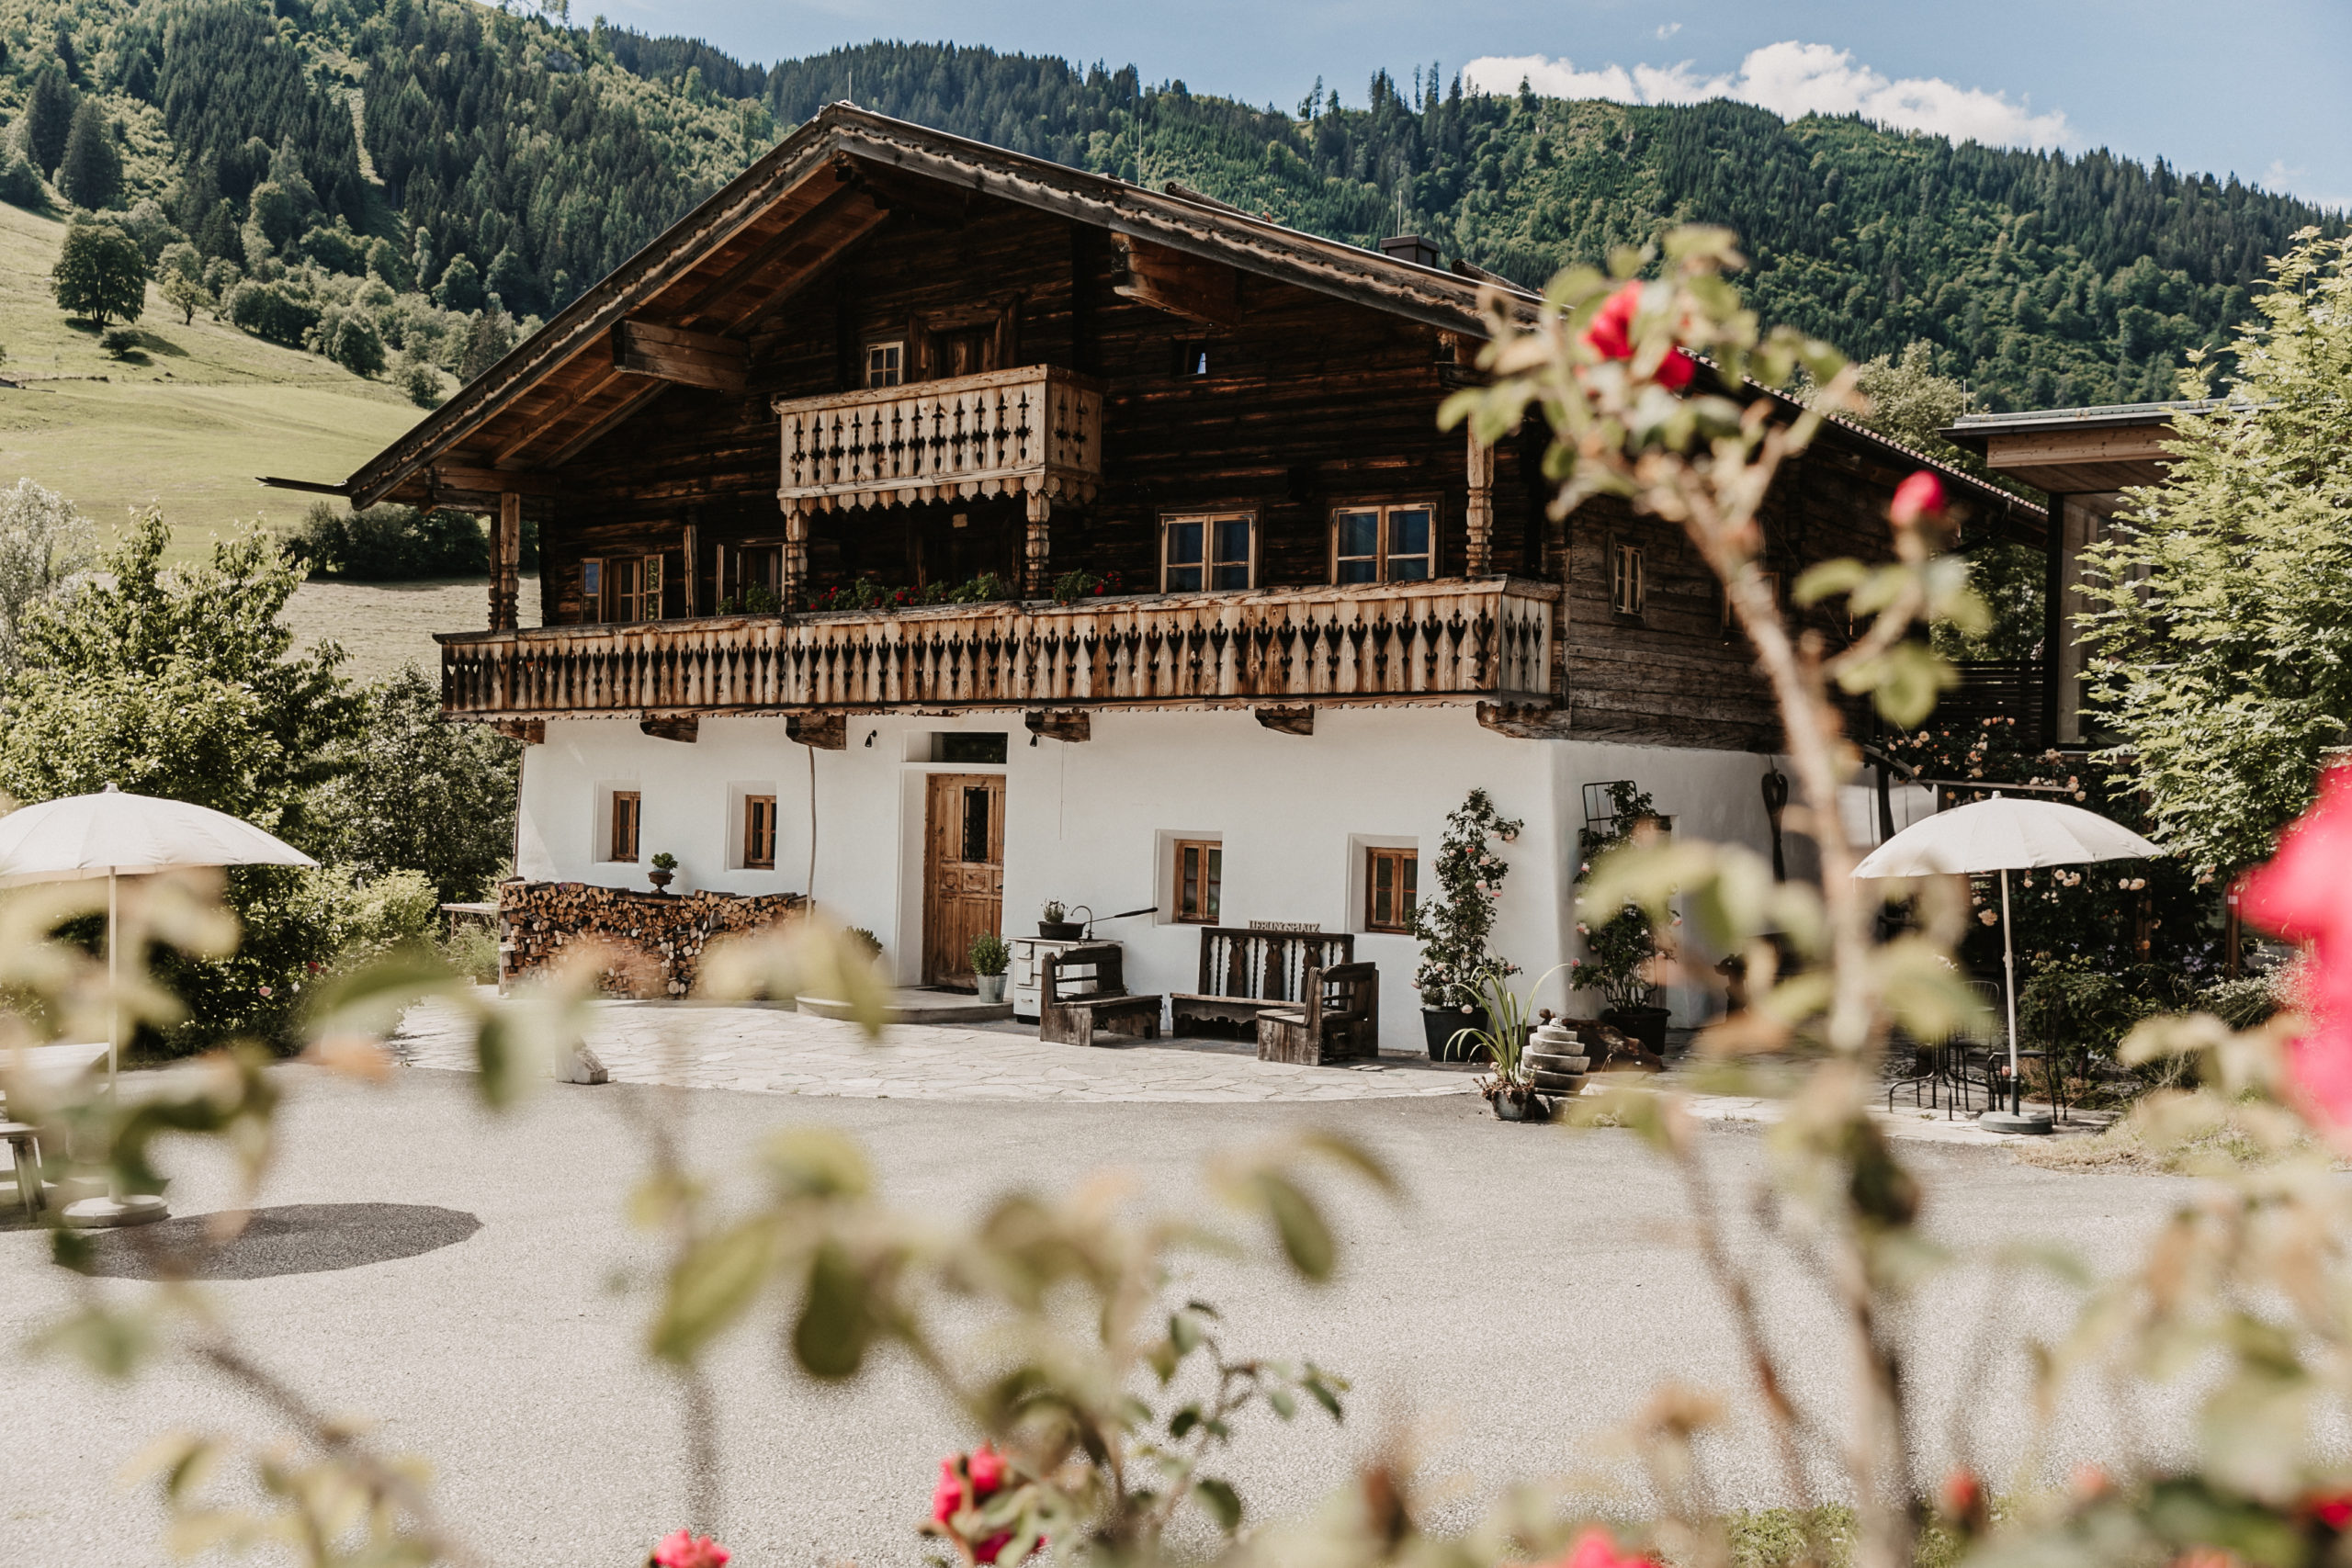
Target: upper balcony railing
point(1485, 638)
point(1038, 429)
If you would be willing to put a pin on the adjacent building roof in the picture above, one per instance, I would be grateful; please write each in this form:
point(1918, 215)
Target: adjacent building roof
point(2077, 451)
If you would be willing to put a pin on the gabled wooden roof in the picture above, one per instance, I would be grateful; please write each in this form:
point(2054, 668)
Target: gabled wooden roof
point(734, 259)
point(708, 279)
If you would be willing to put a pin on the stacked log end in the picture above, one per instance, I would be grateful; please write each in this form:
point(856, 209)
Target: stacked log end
point(658, 938)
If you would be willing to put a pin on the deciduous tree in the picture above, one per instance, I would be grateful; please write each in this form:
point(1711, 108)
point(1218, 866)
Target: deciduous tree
point(2223, 598)
point(100, 274)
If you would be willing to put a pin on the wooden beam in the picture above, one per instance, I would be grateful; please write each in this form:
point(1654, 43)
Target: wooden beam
point(698, 359)
point(505, 561)
point(602, 427)
point(529, 731)
point(824, 731)
point(1180, 284)
point(795, 232)
point(1288, 721)
point(493, 481)
point(564, 408)
point(684, 729)
point(1070, 725)
point(309, 487)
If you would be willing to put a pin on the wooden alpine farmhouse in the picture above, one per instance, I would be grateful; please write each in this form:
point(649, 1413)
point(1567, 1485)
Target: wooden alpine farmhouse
point(1255, 624)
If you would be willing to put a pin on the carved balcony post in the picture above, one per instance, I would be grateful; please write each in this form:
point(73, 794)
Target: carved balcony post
point(1039, 550)
point(795, 585)
point(505, 561)
point(1479, 516)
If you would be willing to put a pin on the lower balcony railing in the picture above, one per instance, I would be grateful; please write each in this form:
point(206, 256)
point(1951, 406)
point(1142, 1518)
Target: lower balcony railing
point(1488, 637)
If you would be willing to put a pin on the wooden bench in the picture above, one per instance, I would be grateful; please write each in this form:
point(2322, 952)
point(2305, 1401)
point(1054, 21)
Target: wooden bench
point(1073, 1006)
point(1339, 1019)
point(1244, 971)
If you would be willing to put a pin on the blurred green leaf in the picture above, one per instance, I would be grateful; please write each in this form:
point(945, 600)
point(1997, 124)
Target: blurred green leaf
point(836, 1324)
point(1222, 1501)
point(711, 1286)
point(817, 1162)
point(1306, 1239)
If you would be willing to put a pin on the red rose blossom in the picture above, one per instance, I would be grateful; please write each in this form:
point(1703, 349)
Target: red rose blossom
point(1921, 495)
point(2303, 895)
point(684, 1549)
point(1610, 335)
point(2332, 1509)
point(984, 1471)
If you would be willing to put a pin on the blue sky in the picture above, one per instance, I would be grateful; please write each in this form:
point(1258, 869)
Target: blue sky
point(2205, 86)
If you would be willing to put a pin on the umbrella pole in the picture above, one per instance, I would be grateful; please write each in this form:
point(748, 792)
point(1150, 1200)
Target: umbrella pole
point(2010, 990)
point(114, 981)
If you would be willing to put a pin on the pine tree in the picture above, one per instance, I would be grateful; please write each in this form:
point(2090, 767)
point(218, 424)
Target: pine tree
point(90, 174)
point(489, 340)
point(49, 118)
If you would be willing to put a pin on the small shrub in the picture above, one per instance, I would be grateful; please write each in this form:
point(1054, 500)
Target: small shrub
point(2242, 1003)
point(272, 312)
point(391, 543)
point(866, 939)
point(120, 342)
point(471, 949)
point(991, 954)
point(21, 183)
point(419, 379)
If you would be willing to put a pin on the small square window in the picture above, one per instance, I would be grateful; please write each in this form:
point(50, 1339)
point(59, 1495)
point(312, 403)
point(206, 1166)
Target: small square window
point(759, 832)
point(1392, 888)
point(1207, 552)
point(1192, 360)
point(1625, 588)
point(1383, 544)
point(1200, 876)
point(624, 821)
point(886, 364)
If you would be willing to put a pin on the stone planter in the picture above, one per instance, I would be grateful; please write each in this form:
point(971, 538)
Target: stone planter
point(1441, 1025)
point(1644, 1026)
point(660, 879)
point(991, 987)
point(1556, 1061)
point(1527, 1107)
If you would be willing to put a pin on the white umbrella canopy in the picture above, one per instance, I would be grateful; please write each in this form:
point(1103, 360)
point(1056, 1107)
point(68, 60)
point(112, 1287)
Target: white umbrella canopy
point(2004, 835)
point(1998, 835)
point(115, 834)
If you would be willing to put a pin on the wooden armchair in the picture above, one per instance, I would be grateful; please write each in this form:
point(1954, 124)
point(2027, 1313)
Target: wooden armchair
point(1339, 1019)
point(1073, 1006)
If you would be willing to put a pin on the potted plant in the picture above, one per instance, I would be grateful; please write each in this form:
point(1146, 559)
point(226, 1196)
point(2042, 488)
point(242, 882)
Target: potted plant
point(1502, 1039)
point(665, 867)
point(1621, 951)
point(1453, 923)
point(1052, 921)
point(990, 956)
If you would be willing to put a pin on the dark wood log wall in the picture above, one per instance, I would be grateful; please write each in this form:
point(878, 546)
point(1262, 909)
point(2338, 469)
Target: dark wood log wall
point(1311, 403)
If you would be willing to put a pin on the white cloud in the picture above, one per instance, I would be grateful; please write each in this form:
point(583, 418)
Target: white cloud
point(1792, 79)
point(1667, 29)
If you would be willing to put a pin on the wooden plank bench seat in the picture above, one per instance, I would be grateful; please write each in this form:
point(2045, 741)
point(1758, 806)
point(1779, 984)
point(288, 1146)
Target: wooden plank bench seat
point(1338, 1021)
point(1082, 990)
point(1244, 971)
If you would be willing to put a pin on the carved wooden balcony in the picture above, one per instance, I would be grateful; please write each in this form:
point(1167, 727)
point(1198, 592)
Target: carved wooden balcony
point(1036, 430)
point(1486, 639)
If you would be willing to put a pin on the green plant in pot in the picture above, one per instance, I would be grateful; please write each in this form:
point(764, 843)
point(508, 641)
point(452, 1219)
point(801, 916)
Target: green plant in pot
point(1452, 924)
point(665, 867)
point(1621, 950)
point(1502, 1039)
point(990, 956)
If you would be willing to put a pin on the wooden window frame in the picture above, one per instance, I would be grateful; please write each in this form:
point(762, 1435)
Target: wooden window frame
point(1210, 876)
point(1406, 861)
point(591, 589)
point(652, 580)
point(759, 832)
point(1208, 562)
point(898, 372)
point(1381, 539)
point(1628, 585)
point(632, 818)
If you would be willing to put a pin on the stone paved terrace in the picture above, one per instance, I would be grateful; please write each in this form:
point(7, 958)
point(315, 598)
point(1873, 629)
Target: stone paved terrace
point(764, 1050)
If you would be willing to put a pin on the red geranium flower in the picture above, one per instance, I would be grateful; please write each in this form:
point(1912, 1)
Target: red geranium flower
point(1610, 335)
point(2303, 895)
point(1921, 495)
point(684, 1549)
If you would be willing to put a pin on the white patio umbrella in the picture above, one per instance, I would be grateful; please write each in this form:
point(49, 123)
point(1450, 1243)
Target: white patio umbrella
point(115, 835)
point(2004, 835)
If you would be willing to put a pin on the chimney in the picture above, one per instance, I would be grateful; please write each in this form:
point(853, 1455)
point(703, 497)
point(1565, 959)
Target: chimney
point(1410, 248)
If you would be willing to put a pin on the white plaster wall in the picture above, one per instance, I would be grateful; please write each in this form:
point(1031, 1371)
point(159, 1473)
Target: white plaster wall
point(1085, 822)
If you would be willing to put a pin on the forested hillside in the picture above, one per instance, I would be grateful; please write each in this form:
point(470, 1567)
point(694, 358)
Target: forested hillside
point(405, 160)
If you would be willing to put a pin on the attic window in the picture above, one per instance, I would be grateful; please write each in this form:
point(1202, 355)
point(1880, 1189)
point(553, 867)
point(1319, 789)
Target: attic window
point(886, 364)
point(1192, 360)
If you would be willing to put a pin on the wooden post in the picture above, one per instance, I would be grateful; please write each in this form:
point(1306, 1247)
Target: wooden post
point(505, 561)
point(793, 587)
point(1039, 550)
point(1479, 516)
point(693, 570)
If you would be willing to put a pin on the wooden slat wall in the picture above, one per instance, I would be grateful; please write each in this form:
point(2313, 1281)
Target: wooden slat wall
point(1312, 403)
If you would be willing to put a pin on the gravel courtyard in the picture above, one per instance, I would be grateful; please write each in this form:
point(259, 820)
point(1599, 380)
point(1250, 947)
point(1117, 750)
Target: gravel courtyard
point(470, 1285)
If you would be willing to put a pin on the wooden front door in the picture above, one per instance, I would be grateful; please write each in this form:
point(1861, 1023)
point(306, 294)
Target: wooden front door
point(963, 871)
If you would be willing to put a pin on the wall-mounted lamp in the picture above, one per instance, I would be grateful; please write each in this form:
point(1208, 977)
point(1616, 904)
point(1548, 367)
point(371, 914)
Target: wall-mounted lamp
point(1032, 739)
point(869, 739)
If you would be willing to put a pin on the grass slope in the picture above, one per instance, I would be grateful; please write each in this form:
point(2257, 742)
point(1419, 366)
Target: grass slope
point(188, 421)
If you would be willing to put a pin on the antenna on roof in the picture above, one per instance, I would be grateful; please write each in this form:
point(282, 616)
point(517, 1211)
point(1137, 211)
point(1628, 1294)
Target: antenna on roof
point(850, 96)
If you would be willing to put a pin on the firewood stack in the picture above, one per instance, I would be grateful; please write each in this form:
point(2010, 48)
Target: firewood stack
point(663, 935)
